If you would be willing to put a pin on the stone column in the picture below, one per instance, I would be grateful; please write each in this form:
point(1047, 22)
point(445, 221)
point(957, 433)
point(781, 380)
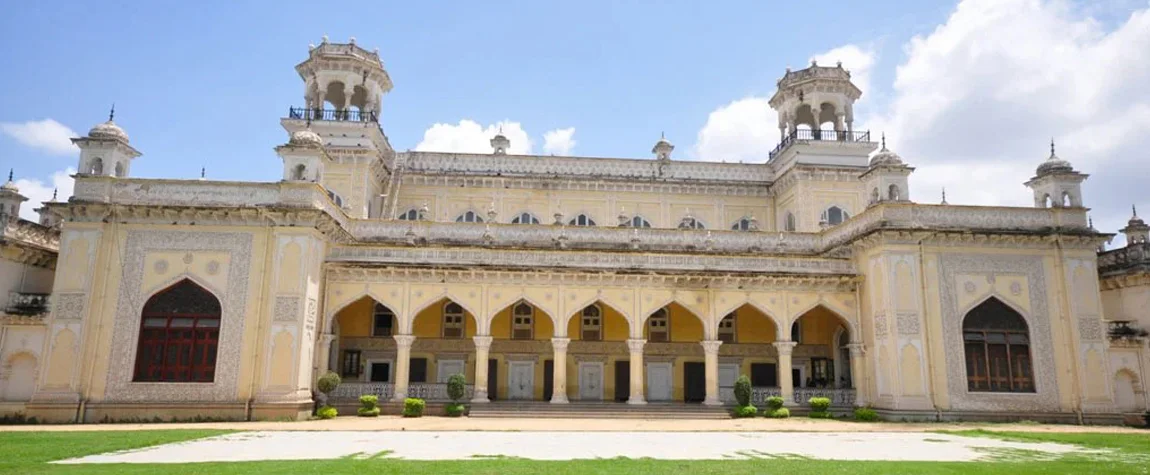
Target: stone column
point(402, 365)
point(482, 351)
point(786, 384)
point(559, 370)
point(857, 372)
point(637, 391)
point(324, 353)
point(711, 368)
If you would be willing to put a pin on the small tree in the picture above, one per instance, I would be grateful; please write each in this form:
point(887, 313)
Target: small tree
point(325, 385)
point(819, 407)
point(743, 390)
point(456, 390)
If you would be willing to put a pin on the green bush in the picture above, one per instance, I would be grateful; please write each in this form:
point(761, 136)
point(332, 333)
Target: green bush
point(328, 382)
point(775, 402)
point(865, 414)
point(413, 407)
point(819, 404)
point(456, 387)
point(780, 413)
point(327, 412)
point(746, 411)
point(455, 410)
point(819, 415)
point(369, 405)
point(743, 391)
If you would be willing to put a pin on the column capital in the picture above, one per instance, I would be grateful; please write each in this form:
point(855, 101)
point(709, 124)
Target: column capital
point(857, 349)
point(482, 342)
point(636, 346)
point(560, 344)
point(711, 347)
point(785, 347)
point(404, 341)
point(326, 338)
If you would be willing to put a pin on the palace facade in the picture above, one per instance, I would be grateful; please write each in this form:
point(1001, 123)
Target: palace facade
point(562, 279)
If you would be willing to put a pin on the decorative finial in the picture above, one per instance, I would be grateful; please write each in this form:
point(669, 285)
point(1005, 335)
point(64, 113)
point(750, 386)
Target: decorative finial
point(1051, 147)
point(500, 129)
point(11, 171)
point(1090, 221)
point(203, 172)
point(54, 190)
point(944, 195)
point(112, 113)
point(662, 135)
point(884, 140)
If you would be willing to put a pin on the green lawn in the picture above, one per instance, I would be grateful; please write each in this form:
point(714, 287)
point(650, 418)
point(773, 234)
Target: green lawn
point(27, 452)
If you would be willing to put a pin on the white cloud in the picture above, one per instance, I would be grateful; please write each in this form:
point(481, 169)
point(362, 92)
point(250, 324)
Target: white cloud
point(559, 141)
point(976, 101)
point(747, 129)
point(47, 135)
point(38, 192)
point(470, 137)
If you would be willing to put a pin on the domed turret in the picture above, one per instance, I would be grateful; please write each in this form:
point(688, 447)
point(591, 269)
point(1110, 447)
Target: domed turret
point(500, 143)
point(108, 130)
point(1056, 184)
point(10, 185)
point(10, 200)
point(662, 148)
point(1136, 230)
point(887, 177)
point(1053, 164)
point(105, 150)
point(885, 156)
point(305, 138)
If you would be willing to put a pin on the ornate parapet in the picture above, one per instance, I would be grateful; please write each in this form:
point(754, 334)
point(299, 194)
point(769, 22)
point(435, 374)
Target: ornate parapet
point(31, 236)
point(1132, 259)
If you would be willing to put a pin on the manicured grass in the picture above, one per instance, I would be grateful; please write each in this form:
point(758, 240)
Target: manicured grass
point(27, 452)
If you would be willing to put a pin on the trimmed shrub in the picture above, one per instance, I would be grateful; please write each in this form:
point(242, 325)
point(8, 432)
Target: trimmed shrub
point(746, 411)
point(743, 391)
point(328, 382)
point(369, 405)
point(865, 414)
point(413, 407)
point(455, 410)
point(780, 413)
point(456, 387)
point(819, 404)
point(327, 412)
point(775, 403)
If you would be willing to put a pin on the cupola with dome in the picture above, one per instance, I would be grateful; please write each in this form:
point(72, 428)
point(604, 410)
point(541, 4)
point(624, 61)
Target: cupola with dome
point(10, 199)
point(1056, 184)
point(887, 176)
point(105, 151)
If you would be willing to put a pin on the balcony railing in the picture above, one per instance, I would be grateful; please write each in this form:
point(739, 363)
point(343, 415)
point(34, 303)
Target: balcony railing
point(821, 135)
point(21, 303)
point(436, 391)
point(341, 115)
point(1125, 330)
point(351, 391)
point(759, 394)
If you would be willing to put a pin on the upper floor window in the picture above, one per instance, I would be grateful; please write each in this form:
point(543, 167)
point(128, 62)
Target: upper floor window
point(452, 320)
point(582, 220)
point(657, 326)
point(522, 322)
point(636, 222)
point(997, 343)
point(834, 215)
point(691, 223)
point(469, 217)
point(410, 215)
point(592, 324)
point(727, 328)
point(382, 320)
point(744, 224)
point(790, 224)
point(525, 218)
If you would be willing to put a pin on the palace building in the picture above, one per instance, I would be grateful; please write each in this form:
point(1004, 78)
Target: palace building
point(564, 280)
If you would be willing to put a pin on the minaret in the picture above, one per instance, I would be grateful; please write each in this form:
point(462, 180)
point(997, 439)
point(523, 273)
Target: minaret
point(47, 218)
point(1056, 184)
point(887, 177)
point(821, 100)
point(1136, 230)
point(499, 143)
point(303, 156)
point(105, 150)
point(10, 200)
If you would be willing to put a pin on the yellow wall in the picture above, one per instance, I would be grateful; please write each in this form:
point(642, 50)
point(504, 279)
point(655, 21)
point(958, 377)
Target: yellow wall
point(614, 325)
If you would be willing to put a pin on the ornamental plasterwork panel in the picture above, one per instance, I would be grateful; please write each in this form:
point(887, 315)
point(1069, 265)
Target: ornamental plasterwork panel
point(1037, 318)
point(286, 308)
point(908, 324)
point(1090, 328)
point(70, 306)
point(880, 325)
point(571, 184)
point(130, 301)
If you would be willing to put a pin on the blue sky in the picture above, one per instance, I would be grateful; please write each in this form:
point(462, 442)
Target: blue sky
point(203, 84)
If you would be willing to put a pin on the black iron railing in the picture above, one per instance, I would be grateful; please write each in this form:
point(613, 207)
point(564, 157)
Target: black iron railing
point(21, 303)
point(343, 115)
point(823, 135)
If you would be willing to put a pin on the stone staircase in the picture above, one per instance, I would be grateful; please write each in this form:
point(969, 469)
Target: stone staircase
point(597, 410)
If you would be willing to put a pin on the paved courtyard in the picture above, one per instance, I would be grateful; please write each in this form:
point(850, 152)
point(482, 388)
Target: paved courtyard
point(440, 445)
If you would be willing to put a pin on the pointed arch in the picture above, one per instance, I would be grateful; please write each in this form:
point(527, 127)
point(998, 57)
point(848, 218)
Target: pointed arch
point(334, 308)
point(408, 323)
point(603, 304)
point(179, 335)
point(524, 298)
point(172, 281)
point(850, 323)
point(746, 301)
point(996, 342)
point(469, 216)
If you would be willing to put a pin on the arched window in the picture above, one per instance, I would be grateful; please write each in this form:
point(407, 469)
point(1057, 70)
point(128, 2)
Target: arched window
point(591, 326)
point(1065, 199)
point(119, 170)
point(834, 215)
point(657, 326)
point(409, 215)
point(893, 193)
point(1046, 201)
point(691, 223)
point(382, 321)
point(727, 328)
point(97, 166)
point(452, 320)
point(469, 217)
point(636, 222)
point(874, 195)
point(522, 322)
point(179, 332)
point(525, 218)
point(997, 342)
point(744, 224)
point(790, 224)
point(299, 172)
point(582, 220)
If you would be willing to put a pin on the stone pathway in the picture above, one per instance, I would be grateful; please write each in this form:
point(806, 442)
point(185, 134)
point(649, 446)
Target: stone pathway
point(437, 445)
